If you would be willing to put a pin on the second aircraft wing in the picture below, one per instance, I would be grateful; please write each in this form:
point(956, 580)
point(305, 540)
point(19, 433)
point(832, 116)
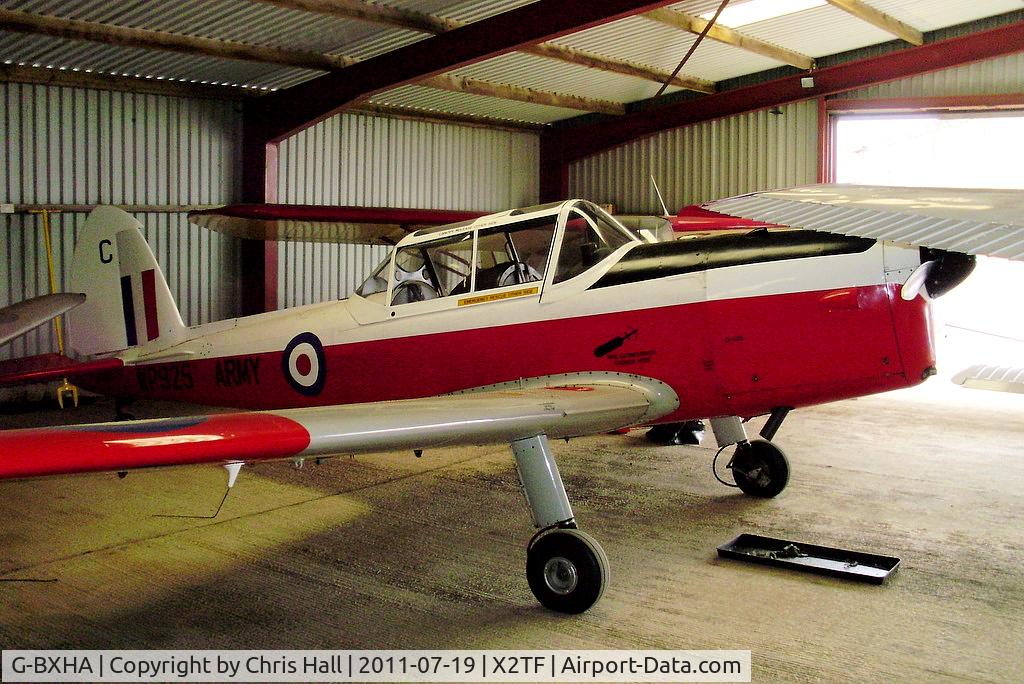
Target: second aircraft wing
point(557, 408)
point(980, 222)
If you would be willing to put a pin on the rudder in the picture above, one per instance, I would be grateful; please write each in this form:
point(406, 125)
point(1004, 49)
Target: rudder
point(127, 298)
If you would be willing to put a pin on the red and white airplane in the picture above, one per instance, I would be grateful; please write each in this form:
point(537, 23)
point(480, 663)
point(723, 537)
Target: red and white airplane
point(546, 322)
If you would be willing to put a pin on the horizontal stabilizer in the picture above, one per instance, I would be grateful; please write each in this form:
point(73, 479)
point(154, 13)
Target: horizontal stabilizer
point(310, 223)
point(18, 319)
point(491, 417)
point(979, 222)
point(996, 378)
point(46, 367)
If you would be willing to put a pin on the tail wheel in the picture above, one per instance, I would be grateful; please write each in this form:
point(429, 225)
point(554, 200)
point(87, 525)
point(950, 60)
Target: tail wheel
point(567, 570)
point(760, 468)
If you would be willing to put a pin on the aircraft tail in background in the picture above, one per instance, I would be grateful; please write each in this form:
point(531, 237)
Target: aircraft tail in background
point(127, 302)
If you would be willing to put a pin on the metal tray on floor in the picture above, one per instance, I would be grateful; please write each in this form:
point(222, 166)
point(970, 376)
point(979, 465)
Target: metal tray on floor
point(822, 560)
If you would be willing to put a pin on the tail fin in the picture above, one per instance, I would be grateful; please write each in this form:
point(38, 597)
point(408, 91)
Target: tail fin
point(127, 299)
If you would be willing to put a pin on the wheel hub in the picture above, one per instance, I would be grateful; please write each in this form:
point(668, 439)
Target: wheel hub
point(759, 473)
point(560, 575)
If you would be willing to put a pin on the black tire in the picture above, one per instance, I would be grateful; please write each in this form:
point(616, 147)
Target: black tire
point(760, 468)
point(567, 570)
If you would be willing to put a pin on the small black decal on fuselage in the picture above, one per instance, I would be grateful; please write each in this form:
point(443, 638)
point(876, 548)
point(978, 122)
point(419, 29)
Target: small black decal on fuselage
point(613, 344)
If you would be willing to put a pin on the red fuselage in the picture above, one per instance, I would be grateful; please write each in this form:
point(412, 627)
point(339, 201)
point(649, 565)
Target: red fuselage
point(741, 356)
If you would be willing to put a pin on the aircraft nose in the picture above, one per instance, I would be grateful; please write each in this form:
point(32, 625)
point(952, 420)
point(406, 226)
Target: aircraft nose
point(948, 270)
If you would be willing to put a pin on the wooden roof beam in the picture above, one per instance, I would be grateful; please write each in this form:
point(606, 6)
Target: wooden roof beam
point(432, 116)
point(284, 113)
point(589, 59)
point(24, 22)
point(886, 22)
point(726, 35)
point(429, 23)
point(461, 84)
point(372, 12)
point(15, 73)
point(106, 33)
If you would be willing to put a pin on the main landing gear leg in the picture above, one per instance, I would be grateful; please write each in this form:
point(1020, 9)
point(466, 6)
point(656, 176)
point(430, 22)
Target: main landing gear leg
point(567, 569)
point(759, 467)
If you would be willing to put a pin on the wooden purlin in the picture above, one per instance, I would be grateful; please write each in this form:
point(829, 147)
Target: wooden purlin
point(287, 111)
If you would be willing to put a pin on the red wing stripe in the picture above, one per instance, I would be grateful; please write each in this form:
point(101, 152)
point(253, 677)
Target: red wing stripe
point(143, 444)
point(51, 367)
point(149, 302)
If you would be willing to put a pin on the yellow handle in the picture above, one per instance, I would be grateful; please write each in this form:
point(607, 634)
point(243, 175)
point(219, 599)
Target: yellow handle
point(65, 387)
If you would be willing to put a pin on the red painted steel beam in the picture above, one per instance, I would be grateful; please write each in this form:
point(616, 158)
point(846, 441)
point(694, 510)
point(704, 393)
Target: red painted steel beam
point(288, 111)
point(568, 145)
point(933, 102)
point(258, 258)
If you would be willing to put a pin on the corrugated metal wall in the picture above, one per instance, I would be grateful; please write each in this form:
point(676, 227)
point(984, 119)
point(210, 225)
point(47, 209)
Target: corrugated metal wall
point(80, 146)
point(992, 76)
point(356, 159)
point(753, 151)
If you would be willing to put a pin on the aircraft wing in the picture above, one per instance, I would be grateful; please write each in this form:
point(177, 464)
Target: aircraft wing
point(495, 416)
point(47, 367)
point(985, 222)
point(311, 223)
point(997, 378)
point(18, 319)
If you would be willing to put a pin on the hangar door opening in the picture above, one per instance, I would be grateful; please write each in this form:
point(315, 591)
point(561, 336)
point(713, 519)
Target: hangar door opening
point(981, 320)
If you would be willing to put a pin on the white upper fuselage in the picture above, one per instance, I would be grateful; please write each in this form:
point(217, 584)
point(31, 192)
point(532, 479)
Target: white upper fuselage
point(373, 317)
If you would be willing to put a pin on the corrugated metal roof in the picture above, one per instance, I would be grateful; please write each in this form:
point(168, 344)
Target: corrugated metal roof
point(816, 32)
point(929, 15)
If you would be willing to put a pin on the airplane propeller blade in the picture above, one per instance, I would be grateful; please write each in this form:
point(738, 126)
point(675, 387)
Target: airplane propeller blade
point(915, 283)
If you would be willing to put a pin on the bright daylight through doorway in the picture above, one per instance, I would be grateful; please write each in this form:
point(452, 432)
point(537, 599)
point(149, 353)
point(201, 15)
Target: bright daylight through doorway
point(981, 321)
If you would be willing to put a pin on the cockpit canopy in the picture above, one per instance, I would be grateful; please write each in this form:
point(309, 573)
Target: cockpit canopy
point(500, 250)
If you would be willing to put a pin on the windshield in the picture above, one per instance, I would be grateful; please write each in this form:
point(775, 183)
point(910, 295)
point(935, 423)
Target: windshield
point(589, 237)
point(378, 280)
point(504, 255)
point(432, 269)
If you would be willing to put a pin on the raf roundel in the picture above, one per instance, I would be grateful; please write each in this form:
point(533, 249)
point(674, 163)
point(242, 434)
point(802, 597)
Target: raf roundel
point(304, 364)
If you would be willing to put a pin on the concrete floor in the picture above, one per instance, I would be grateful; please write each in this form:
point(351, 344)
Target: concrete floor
point(395, 552)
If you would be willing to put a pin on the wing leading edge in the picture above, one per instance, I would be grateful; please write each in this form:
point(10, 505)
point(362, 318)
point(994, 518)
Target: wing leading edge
point(979, 222)
point(486, 417)
point(18, 319)
point(312, 223)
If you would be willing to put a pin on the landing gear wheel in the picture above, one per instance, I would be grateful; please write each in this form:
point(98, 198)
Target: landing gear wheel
point(567, 570)
point(760, 468)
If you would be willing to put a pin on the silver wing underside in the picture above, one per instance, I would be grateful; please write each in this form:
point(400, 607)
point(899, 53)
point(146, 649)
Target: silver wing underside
point(980, 222)
point(997, 378)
